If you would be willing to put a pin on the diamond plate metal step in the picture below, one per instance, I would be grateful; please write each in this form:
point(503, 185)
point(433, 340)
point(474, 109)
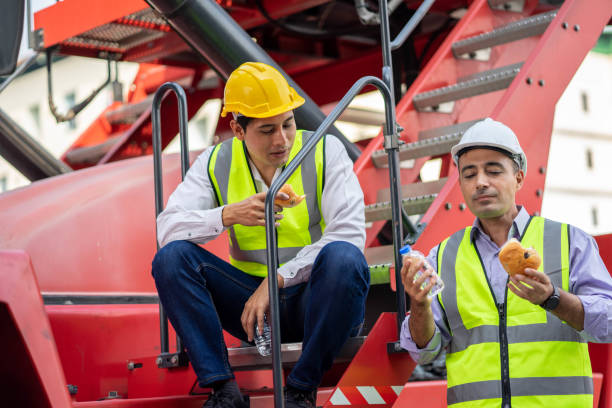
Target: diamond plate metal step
point(433, 142)
point(248, 358)
point(412, 205)
point(528, 27)
point(477, 84)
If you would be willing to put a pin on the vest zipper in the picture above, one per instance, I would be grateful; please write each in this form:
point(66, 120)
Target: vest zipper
point(503, 337)
point(503, 350)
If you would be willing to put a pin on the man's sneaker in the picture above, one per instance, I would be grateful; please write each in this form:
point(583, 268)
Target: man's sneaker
point(221, 399)
point(295, 398)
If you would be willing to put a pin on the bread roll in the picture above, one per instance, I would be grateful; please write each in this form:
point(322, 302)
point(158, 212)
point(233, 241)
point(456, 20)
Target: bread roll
point(293, 199)
point(514, 258)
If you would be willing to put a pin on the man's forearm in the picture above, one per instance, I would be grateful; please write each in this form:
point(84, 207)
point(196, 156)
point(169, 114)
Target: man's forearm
point(422, 326)
point(570, 310)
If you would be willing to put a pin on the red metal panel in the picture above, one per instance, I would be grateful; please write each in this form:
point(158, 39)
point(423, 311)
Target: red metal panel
point(601, 354)
point(430, 394)
point(92, 230)
point(26, 335)
point(372, 365)
point(68, 18)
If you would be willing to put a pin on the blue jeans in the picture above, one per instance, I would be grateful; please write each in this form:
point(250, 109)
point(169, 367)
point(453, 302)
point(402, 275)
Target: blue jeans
point(203, 294)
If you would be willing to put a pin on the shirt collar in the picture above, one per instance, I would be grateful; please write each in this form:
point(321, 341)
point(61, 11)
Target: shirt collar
point(516, 231)
point(260, 184)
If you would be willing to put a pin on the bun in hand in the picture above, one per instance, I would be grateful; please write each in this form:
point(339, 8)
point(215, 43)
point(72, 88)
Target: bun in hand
point(293, 199)
point(514, 258)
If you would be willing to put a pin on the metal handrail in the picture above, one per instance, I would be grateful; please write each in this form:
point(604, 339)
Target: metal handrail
point(272, 249)
point(166, 359)
point(411, 24)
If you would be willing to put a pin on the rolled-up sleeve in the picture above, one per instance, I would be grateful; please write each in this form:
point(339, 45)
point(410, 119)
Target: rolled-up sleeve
point(591, 282)
point(441, 337)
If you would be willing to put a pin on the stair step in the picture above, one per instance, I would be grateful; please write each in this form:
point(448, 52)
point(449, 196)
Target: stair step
point(380, 260)
point(413, 205)
point(128, 112)
point(471, 48)
point(507, 5)
point(433, 142)
point(248, 358)
point(414, 189)
point(90, 155)
point(477, 84)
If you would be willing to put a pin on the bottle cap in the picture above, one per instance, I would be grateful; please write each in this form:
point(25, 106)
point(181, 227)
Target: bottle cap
point(405, 249)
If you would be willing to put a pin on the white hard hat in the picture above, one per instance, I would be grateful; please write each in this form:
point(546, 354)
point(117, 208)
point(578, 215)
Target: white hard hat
point(490, 133)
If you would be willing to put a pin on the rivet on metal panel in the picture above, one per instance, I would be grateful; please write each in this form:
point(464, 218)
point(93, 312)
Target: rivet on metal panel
point(576, 28)
point(542, 170)
point(462, 206)
point(564, 25)
point(528, 80)
point(541, 82)
point(539, 192)
point(448, 206)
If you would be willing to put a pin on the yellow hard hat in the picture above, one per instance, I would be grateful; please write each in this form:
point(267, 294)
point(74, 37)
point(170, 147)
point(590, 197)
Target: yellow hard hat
point(257, 90)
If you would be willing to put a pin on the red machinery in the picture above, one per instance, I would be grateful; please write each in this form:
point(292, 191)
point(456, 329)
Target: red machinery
point(85, 240)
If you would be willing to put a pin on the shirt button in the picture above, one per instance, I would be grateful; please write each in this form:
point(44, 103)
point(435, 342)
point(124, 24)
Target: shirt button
point(189, 234)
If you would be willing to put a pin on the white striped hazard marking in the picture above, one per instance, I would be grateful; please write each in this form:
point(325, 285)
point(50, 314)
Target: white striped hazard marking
point(338, 398)
point(371, 395)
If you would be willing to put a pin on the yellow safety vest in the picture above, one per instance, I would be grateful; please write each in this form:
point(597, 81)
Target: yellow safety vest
point(231, 177)
point(513, 354)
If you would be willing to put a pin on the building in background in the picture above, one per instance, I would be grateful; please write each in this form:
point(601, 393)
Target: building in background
point(578, 186)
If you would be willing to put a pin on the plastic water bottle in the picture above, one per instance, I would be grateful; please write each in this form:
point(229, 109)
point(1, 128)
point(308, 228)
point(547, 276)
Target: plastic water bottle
point(406, 250)
point(263, 339)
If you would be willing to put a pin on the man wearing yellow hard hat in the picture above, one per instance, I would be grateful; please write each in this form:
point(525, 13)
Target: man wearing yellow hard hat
point(323, 276)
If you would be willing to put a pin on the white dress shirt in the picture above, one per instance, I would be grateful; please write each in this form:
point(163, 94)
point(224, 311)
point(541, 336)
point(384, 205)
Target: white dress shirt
point(192, 213)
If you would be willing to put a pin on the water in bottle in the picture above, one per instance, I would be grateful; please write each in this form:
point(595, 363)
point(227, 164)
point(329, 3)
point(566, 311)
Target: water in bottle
point(263, 339)
point(407, 251)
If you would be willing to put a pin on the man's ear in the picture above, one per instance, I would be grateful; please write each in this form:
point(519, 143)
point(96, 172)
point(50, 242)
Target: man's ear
point(237, 129)
point(520, 179)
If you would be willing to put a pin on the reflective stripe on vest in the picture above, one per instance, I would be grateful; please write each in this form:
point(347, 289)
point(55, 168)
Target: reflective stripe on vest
point(231, 177)
point(548, 361)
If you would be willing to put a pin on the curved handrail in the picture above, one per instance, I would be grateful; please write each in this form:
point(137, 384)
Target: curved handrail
point(272, 249)
point(159, 191)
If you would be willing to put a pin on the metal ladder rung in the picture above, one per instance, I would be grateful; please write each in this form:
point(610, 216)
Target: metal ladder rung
point(412, 205)
point(477, 84)
point(528, 27)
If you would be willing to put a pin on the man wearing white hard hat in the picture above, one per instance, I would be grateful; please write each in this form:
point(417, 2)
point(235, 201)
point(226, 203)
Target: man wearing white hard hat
point(510, 341)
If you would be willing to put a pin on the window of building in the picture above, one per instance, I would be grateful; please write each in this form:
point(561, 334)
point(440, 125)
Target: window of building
point(594, 216)
point(589, 158)
point(70, 101)
point(35, 115)
point(3, 184)
point(584, 97)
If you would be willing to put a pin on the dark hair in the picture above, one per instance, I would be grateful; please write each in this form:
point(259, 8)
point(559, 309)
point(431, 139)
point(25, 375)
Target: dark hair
point(516, 158)
point(243, 121)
